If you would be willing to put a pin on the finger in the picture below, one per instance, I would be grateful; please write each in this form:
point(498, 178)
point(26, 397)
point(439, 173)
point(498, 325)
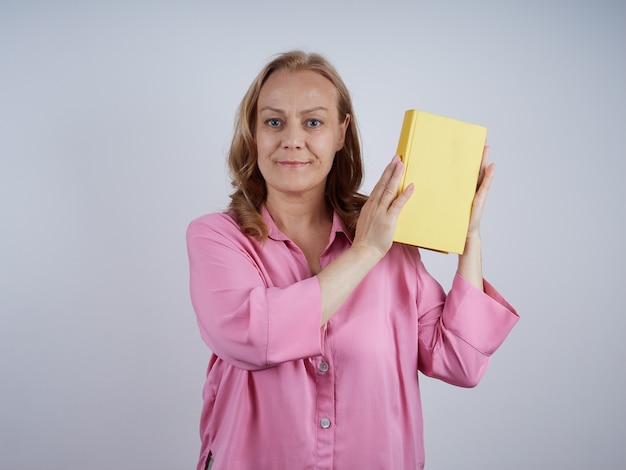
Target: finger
point(402, 199)
point(396, 178)
point(483, 165)
point(483, 190)
point(384, 178)
point(485, 184)
point(387, 185)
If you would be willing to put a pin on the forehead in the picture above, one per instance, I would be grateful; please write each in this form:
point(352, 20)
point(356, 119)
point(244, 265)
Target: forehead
point(302, 88)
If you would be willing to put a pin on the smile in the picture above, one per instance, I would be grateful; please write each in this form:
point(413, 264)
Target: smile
point(293, 164)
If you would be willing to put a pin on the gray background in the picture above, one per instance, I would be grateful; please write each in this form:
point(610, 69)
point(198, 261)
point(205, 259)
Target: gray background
point(114, 122)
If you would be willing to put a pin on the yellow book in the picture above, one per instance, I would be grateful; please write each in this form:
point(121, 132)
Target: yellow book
point(442, 157)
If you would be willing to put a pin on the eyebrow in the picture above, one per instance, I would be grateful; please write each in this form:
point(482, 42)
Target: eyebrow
point(302, 113)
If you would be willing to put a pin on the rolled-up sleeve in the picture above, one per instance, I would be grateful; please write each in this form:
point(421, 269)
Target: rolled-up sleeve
point(459, 332)
point(244, 319)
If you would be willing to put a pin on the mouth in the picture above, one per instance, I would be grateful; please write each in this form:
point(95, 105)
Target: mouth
point(292, 164)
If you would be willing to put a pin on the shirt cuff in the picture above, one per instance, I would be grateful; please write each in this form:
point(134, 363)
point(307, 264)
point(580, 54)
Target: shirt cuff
point(294, 322)
point(481, 319)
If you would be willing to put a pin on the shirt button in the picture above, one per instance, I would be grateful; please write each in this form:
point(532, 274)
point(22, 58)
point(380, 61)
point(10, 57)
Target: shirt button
point(325, 423)
point(324, 366)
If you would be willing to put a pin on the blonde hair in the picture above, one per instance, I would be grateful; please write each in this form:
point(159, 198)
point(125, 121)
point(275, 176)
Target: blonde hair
point(346, 174)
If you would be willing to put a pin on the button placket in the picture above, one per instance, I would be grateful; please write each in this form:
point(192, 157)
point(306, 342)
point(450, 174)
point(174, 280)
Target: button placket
point(325, 412)
point(323, 368)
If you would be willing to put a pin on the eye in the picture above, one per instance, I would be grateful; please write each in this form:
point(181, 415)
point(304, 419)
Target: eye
point(273, 122)
point(313, 123)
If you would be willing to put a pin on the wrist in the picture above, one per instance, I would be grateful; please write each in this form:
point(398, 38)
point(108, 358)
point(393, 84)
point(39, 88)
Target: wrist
point(366, 253)
point(472, 239)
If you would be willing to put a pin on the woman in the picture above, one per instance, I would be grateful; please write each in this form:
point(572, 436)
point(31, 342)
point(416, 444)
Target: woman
point(317, 322)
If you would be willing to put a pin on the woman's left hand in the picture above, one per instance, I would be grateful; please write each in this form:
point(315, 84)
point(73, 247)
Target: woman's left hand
point(485, 177)
point(470, 262)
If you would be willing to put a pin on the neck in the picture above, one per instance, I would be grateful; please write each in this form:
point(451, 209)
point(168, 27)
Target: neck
point(293, 216)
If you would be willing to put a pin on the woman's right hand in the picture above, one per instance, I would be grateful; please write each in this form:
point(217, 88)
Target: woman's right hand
point(379, 215)
point(372, 240)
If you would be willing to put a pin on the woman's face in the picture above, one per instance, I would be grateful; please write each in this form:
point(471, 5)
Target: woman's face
point(298, 132)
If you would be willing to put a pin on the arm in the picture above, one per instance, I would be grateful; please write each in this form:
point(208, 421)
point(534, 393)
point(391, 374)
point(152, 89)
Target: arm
point(470, 262)
point(245, 317)
point(255, 319)
point(460, 331)
point(373, 238)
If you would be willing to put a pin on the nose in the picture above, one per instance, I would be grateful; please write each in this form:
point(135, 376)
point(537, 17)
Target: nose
point(293, 137)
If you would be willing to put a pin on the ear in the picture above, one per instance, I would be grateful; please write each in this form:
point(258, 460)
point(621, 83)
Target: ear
point(343, 128)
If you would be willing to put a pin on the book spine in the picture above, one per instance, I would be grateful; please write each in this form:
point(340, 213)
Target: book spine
point(406, 141)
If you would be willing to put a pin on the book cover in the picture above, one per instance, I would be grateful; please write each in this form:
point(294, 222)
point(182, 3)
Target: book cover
point(442, 158)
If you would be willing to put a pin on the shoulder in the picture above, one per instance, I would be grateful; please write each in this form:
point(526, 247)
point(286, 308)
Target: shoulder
point(217, 225)
point(215, 220)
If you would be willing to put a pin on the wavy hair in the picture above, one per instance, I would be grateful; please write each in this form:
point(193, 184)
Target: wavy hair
point(346, 174)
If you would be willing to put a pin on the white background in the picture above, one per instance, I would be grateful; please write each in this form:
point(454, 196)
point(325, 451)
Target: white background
point(115, 118)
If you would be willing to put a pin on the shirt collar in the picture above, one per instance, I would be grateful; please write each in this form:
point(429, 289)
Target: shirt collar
point(275, 234)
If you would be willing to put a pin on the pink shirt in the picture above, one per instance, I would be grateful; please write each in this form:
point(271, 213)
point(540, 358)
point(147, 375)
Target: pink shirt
point(283, 393)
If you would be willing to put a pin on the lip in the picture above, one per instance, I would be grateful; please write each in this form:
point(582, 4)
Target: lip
point(292, 163)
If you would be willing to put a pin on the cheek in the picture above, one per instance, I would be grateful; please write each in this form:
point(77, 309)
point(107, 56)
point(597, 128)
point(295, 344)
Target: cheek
point(341, 139)
point(261, 147)
point(265, 145)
